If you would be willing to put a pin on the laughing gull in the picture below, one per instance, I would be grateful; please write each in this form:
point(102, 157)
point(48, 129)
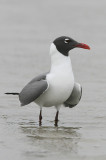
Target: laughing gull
point(57, 86)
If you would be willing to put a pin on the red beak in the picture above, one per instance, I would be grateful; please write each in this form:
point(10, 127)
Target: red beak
point(82, 45)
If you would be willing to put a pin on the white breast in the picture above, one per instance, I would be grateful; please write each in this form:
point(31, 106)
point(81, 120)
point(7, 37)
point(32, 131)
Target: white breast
point(60, 80)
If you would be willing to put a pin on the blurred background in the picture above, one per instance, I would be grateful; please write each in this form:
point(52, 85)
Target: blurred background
point(27, 29)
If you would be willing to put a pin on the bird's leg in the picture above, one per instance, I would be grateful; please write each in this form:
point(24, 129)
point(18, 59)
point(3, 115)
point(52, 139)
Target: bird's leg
point(56, 118)
point(40, 117)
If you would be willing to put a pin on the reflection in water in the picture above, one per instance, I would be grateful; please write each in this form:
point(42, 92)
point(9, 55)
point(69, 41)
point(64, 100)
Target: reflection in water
point(51, 140)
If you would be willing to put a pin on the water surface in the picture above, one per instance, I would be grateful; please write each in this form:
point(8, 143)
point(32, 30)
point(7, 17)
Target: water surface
point(26, 31)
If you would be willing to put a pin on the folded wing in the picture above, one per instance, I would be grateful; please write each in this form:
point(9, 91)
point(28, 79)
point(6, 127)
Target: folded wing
point(75, 96)
point(33, 89)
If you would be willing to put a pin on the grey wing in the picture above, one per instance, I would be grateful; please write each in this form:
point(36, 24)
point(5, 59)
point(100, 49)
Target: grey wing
point(33, 89)
point(75, 96)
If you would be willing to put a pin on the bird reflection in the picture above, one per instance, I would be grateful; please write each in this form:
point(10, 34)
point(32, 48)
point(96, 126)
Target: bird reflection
point(52, 139)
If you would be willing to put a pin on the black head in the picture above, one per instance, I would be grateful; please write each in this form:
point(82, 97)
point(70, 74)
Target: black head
point(65, 44)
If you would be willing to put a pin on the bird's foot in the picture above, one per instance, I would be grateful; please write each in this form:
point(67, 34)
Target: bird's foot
point(56, 119)
point(40, 121)
point(40, 118)
point(56, 123)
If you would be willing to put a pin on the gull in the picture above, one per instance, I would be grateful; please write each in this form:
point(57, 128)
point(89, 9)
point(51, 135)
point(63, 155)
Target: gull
point(56, 87)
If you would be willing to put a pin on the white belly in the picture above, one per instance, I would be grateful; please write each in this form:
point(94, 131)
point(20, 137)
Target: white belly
point(60, 88)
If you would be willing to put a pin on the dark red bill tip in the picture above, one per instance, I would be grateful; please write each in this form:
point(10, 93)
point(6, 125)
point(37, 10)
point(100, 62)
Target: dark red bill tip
point(82, 45)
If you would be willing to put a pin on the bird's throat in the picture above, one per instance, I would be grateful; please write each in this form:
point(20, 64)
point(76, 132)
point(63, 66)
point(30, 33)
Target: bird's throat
point(59, 61)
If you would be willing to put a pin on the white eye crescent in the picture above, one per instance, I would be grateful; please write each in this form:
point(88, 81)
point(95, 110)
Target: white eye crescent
point(66, 40)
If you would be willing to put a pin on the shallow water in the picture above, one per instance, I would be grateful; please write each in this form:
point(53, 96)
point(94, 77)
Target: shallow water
point(26, 31)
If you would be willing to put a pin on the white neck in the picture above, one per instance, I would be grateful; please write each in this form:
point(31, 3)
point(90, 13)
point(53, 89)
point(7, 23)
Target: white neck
point(59, 61)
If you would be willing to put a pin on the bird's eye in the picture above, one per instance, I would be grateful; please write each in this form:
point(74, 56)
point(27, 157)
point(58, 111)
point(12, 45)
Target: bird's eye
point(66, 40)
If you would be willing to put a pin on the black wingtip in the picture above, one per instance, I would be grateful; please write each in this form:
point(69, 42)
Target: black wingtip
point(12, 93)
